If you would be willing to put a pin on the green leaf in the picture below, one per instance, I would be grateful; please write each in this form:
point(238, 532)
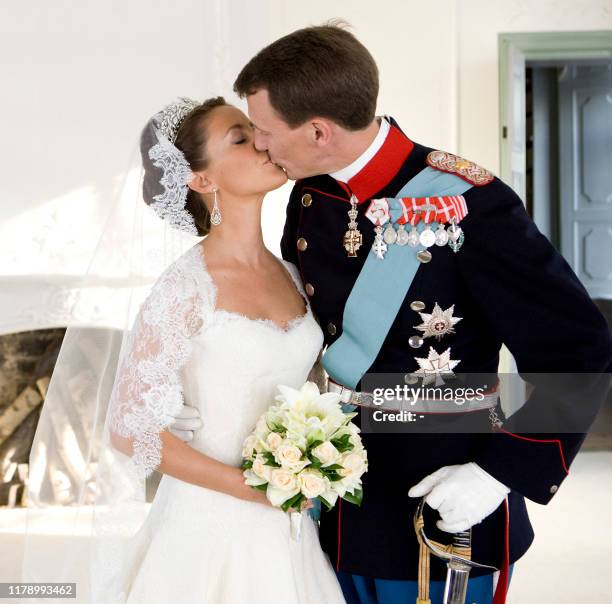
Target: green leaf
point(315, 444)
point(315, 461)
point(331, 472)
point(292, 502)
point(325, 502)
point(356, 497)
point(261, 487)
point(332, 467)
point(247, 464)
point(333, 476)
point(343, 443)
point(270, 461)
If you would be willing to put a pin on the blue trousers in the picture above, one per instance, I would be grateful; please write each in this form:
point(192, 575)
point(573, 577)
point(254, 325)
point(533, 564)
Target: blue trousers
point(365, 590)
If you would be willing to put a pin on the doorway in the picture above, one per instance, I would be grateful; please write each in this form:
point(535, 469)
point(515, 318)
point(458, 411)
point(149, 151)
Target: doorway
point(556, 153)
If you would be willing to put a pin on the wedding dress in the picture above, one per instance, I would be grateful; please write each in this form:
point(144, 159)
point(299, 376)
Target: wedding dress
point(200, 545)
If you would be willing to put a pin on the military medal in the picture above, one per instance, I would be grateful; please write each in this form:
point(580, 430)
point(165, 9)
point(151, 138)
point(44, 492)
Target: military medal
point(413, 237)
point(441, 235)
point(379, 247)
point(438, 323)
point(390, 236)
point(438, 210)
point(353, 239)
point(402, 236)
point(378, 213)
point(435, 367)
point(427, 237)
point(455, 236)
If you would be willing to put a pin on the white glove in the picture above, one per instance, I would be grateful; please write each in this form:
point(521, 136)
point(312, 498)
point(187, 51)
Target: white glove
point(186, 422)
point(464, 495)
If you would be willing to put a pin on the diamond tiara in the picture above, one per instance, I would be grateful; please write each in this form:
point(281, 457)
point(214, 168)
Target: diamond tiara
point(169, 119)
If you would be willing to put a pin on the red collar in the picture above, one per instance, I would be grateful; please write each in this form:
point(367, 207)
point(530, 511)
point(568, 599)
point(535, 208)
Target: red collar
point(381, 169)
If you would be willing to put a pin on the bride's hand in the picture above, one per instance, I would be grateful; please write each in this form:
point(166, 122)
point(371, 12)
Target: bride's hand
point(244, 491)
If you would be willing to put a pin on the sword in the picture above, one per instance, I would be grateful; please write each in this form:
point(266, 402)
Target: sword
point(458, 566)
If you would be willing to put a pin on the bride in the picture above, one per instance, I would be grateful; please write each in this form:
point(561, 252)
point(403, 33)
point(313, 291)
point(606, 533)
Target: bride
point(222, 327)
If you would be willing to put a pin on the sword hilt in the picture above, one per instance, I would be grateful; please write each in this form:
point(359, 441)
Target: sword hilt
point(459, 566)
point(459, 540)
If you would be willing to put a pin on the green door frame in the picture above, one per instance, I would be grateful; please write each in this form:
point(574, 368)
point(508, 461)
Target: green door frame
point(562, 45)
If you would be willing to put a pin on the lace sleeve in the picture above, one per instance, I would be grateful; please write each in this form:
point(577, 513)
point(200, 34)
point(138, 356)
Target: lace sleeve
point(148, 390)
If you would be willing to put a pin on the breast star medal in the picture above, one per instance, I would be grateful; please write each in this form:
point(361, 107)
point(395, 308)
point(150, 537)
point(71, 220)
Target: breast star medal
point(435, 367)
point(353, 239)
point(438, 323)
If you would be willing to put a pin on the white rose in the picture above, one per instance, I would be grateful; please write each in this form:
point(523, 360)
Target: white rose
point(326, 453)
point(312, 484)
point(283, 479)
point(288, 455)
point(261, 427)
point(261, 469)
point(353, 465)
point(331, 496)
point(249, 445)
point(252, 479)
point(274, 440)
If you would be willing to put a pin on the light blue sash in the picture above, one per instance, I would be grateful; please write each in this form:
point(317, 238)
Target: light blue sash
point(381, 288)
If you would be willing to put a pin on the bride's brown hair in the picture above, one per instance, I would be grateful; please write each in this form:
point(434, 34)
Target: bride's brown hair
point(191, 139)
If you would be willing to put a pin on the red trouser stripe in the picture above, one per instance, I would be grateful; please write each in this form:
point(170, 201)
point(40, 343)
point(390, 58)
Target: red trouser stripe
point(502, 583)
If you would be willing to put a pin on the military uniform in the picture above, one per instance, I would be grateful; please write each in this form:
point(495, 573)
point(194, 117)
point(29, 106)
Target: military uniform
point(509, 285)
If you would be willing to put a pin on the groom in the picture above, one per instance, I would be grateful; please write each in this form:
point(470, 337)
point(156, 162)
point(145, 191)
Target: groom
point(483, 278)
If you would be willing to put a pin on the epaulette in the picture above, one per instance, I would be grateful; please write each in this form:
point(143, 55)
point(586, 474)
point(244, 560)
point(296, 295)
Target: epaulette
point(453, 164)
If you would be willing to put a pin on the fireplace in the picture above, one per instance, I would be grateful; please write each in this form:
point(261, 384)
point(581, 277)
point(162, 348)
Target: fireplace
point(26, 364)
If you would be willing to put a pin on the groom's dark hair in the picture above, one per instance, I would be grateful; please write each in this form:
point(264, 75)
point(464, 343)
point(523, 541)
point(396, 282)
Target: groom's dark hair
point(316, 71)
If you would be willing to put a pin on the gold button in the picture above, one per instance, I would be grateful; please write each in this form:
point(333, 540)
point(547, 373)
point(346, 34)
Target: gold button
point(424, 256)
point(302, 244)
point(417, 305)
point(331, 328)
point(306, 199)
point(310, 289)
point(554, 489)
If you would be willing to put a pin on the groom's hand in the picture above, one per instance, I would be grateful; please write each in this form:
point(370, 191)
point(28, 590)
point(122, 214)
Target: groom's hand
point(185, 423)
point(464, 495)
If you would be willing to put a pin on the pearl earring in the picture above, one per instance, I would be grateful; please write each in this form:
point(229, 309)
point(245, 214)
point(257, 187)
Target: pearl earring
point(215, 217)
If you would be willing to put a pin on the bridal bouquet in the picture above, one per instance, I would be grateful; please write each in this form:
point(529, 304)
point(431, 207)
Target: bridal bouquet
point(305, 447)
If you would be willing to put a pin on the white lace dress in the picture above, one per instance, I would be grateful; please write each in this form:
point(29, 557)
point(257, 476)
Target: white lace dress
point(199, 545)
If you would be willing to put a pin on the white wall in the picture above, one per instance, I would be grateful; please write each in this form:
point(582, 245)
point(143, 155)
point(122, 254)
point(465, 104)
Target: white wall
point(79, 80)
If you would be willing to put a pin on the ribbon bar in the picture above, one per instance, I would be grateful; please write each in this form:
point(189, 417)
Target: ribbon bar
point(439, 209)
